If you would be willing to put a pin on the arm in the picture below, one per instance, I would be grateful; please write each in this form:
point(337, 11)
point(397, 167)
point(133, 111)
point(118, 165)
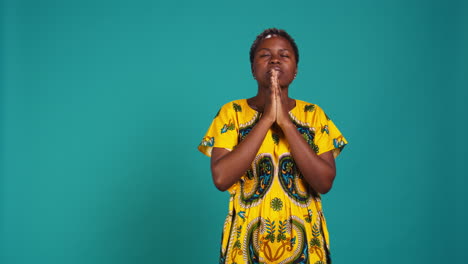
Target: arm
point(228, 166)
point(318, 170)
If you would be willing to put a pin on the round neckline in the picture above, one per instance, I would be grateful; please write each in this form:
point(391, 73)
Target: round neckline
point(251, 108)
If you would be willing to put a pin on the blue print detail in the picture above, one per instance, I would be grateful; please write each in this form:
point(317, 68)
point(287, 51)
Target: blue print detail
point(207, 142)
point(260, 181)
point(291, 179)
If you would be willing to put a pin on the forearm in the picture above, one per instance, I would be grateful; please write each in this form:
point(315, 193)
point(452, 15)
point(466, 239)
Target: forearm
point(318, 172)
point(228, 168)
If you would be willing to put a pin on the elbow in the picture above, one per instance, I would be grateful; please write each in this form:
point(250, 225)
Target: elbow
point(218, 180)
point(327, 184)
point(220, 185)
point(324, 189)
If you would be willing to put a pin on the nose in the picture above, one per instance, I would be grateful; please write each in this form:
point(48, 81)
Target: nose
point(274, 60)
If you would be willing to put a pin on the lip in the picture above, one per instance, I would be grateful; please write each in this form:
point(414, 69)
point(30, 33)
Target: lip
point(276, 68)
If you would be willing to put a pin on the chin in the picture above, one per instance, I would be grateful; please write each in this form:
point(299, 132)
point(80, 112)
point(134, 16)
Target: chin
point(284, 85)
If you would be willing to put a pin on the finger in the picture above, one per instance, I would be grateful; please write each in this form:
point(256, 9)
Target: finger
point(274, 77)
point(277, 78)
point(274, 73)
point(277, 87)
point(278, 95)
point(278, 91)
point(272, 82)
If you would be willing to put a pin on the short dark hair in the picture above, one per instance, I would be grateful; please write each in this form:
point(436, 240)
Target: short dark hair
point(273, 31)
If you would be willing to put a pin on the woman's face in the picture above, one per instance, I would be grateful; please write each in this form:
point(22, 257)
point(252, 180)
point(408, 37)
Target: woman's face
point(277, 53)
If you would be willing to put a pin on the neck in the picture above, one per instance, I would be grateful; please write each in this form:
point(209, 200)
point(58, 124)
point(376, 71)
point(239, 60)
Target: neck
point(263, 91)
point(258, 101)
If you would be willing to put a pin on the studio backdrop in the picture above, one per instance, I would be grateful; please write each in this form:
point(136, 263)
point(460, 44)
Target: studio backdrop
point(103, 104)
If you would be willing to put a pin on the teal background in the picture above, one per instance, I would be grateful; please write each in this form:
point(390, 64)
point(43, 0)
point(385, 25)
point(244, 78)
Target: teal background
point(104, 102)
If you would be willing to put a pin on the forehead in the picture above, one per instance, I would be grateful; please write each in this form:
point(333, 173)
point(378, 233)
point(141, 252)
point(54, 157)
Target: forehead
point(275, 42)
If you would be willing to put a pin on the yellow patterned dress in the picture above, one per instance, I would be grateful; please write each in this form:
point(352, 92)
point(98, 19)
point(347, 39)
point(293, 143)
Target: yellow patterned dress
point(274, 216)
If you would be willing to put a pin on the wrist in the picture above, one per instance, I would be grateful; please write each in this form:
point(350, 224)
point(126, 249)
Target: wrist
point(286, 124)
point(265, 119)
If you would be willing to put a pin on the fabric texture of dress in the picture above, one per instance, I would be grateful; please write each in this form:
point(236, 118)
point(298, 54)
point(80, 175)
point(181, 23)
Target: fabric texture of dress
point(274, 216)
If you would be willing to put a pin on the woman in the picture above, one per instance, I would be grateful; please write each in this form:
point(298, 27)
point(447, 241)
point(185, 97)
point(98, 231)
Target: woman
point(275, 155)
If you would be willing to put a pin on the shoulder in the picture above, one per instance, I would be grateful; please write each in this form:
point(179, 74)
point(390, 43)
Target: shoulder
point(234, 106)
point(308, 108)
point(309, 113)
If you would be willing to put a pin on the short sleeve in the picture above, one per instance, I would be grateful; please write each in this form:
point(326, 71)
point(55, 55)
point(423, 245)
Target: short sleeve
point(327, 136)
point(222, 132)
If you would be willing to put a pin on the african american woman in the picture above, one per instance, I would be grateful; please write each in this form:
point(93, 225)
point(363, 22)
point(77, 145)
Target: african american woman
point(275, 155)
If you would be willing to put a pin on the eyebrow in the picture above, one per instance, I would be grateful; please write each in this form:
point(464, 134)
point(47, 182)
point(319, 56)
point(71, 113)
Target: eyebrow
point(269, 49)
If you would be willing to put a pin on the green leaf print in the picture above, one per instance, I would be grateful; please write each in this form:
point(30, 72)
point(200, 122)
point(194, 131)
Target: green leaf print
point(289, 167)
point(276, 204)
point(282, 231)
point(275, 138)
point(237, 107)
point(249, 174)
point(309, 108)
point(315, 242)
point(237, 244)
point(308, 216)
point(270, 228)
point(310, 142)
point(315, 231)
point(239, 230)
